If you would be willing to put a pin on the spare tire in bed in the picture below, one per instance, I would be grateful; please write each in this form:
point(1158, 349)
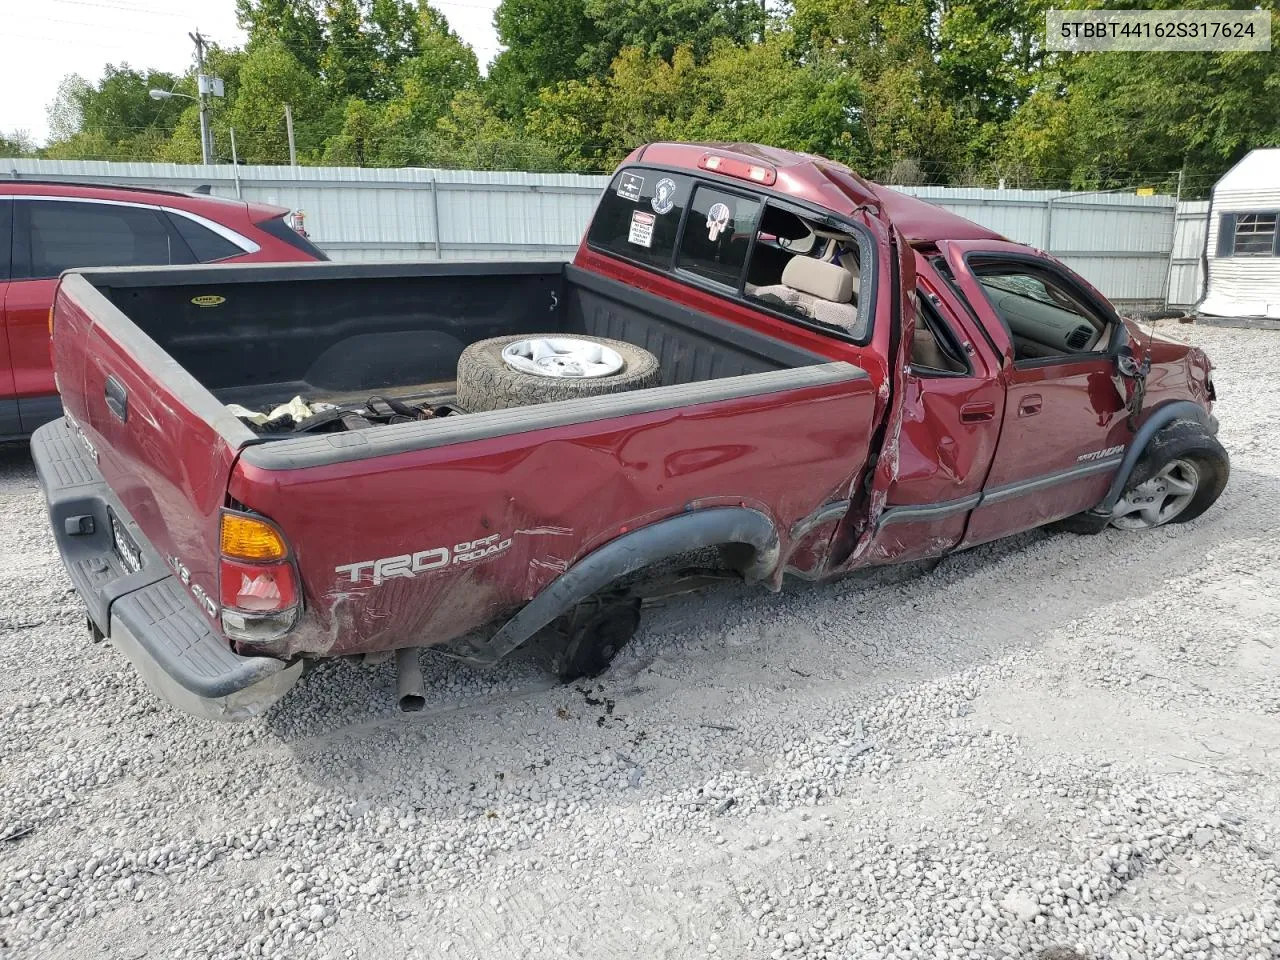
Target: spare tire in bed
point(569, 366)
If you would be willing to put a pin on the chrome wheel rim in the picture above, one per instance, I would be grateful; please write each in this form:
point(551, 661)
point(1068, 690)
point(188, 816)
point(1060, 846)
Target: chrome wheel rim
point(1158, 500)
point(565, 357)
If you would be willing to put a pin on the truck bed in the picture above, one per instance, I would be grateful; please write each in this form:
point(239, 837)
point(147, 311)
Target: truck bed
point(259, 335)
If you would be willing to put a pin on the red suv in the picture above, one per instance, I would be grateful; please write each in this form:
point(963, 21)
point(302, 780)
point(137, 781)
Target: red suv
point(48, 227)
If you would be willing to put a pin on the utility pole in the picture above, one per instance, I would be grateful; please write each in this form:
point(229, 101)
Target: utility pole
point(1173, 241)
point(206, 141)
point(288, 124)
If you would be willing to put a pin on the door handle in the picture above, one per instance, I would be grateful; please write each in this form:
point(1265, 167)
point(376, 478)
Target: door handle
point(977, 412)
point(117, 399)
point(1030, 405)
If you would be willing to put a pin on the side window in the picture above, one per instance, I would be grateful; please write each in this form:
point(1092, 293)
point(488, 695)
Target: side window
point(935, 348)
point(639, 216)
point(62, 235)
point(205, 245)
point(717, 235)
point(809, 271)
point(1249, 235)
point(1044, 317)
point(6, 236)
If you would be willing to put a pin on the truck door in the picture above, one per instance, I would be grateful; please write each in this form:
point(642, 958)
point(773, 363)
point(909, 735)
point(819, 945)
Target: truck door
point(1065, 426)
point(9, 422)
point(951, 421)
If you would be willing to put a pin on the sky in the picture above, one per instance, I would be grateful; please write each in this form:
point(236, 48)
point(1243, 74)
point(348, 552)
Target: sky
point(41, 41)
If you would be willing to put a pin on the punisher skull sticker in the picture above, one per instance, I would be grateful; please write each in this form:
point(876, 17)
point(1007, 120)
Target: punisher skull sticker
point(717, 220)
point(664, 196)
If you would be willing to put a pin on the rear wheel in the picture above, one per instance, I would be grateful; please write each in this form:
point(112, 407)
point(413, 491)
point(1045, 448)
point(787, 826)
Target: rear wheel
point(593, 635)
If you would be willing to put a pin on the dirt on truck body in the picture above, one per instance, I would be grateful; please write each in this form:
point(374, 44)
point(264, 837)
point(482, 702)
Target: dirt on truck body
point(757, 361)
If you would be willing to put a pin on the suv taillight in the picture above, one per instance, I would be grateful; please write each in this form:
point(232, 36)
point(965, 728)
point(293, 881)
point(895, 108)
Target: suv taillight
point(257, 580)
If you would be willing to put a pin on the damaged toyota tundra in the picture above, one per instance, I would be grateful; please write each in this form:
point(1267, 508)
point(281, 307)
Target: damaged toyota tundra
point(758, 365)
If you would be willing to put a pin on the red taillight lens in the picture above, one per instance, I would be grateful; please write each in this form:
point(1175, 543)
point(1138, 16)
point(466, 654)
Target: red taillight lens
point(258, 588)
point(257, 581)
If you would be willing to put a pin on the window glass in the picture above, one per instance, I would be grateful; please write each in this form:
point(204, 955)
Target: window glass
point(1043, 317)
point(935, 349)
point(639, 216)
point(717, 235)
point(6, 219)
point(65, 235)
point(206, 245)
point(807, 271)
point(1255, 235)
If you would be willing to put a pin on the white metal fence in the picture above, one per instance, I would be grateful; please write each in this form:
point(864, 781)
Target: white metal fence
point(1130, 247)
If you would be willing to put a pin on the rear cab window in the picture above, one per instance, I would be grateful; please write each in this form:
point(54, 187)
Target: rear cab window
point(739, 243)
point(639, 216)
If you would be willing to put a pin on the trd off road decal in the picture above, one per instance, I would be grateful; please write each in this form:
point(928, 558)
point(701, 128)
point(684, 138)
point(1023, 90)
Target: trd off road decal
point(424, 561)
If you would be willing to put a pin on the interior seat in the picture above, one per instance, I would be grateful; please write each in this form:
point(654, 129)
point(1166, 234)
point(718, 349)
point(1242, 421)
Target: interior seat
point(824, 291)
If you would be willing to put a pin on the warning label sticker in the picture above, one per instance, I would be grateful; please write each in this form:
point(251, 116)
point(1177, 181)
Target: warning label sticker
point(641, 232)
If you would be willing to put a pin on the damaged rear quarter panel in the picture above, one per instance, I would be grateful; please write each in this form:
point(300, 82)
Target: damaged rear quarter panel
point(554, 493)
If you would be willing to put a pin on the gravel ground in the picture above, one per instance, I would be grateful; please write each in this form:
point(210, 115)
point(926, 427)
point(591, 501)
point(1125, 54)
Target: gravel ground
point(1051, 747)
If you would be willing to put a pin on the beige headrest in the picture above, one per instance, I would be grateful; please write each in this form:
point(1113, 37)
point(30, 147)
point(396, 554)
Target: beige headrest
point(826, 281)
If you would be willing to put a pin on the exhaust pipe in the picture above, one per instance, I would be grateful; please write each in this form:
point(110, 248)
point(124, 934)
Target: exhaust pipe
point(409, 689)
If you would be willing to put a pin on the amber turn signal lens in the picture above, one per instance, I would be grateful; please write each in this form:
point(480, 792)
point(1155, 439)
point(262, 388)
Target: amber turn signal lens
point(245, 538)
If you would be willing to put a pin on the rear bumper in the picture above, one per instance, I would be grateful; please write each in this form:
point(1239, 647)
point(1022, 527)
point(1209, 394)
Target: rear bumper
point(146, 613)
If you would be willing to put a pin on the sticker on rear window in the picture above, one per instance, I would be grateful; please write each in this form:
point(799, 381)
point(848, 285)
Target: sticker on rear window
point(641, 232)
point(629, 187)
point(718, 218)
point(208, 300)
point(664, 196)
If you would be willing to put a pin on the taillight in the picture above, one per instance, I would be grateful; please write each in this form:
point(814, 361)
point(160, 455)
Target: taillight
point(257, 581)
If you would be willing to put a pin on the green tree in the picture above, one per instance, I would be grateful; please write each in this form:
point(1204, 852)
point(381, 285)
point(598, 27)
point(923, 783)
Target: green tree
point(65, 114)
point(892, 52)
point(270, 77)
point(1110, 119)
point(17, 144)
point(755, 93)
point(295, 24)
point(543, 41)
point(403, 130)
point(658, 27)
point(349, 61)
point(472, 135)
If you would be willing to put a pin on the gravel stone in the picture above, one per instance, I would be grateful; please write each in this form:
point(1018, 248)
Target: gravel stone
point(1049, 747)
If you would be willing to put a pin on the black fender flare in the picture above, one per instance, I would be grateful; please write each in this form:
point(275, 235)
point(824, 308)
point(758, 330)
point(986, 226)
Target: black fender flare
point(1160, 418)
point(634, 551)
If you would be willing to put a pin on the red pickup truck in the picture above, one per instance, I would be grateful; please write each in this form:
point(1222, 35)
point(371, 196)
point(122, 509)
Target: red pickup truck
point(757, 365)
